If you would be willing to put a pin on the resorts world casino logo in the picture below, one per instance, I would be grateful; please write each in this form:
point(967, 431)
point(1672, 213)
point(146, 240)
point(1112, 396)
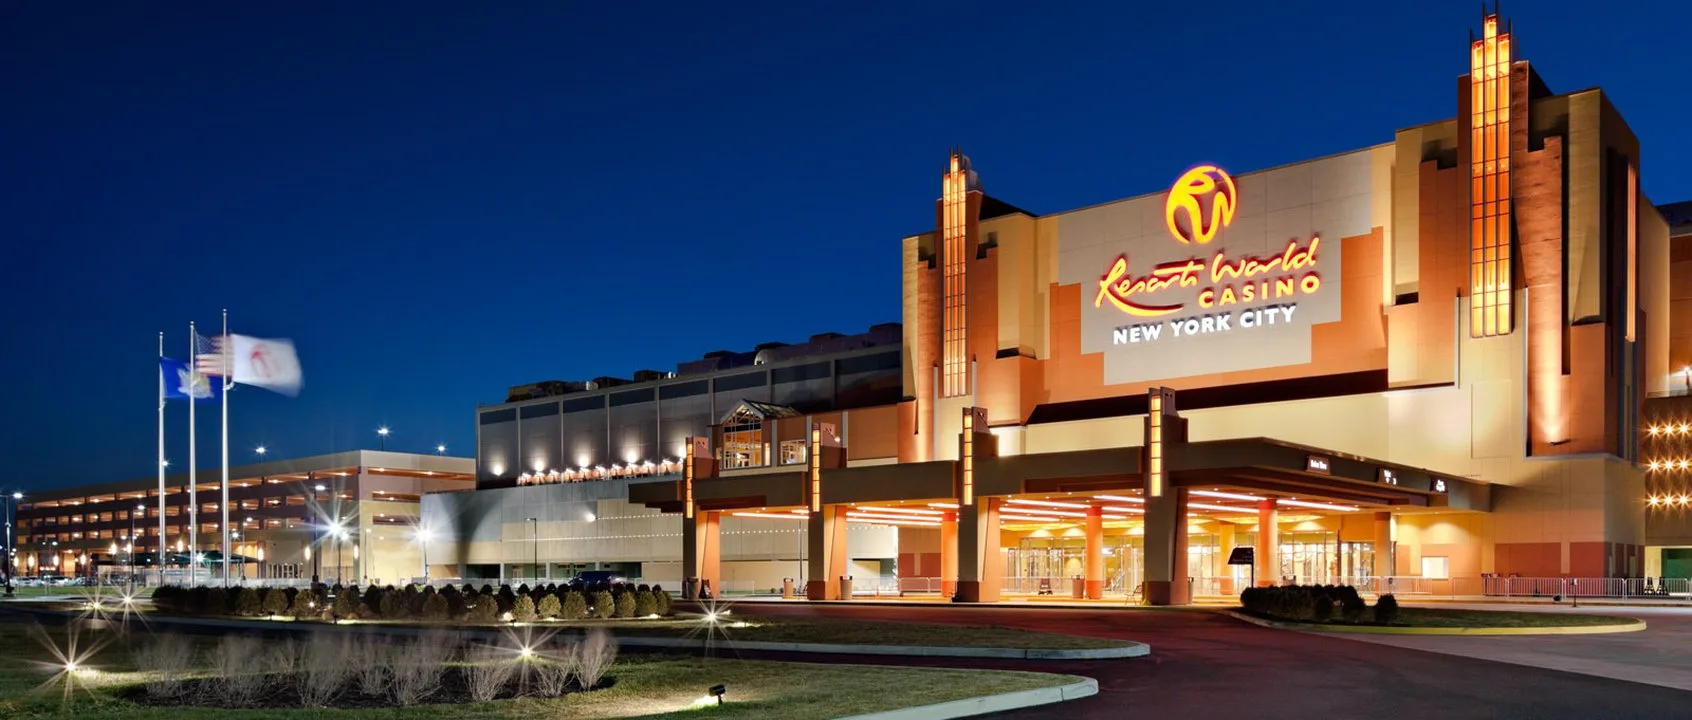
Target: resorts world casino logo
point(1200, 204)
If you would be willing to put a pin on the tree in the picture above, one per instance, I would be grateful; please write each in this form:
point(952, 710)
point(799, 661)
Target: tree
point(549, 607)
point(524, 609)
point(217, 602)
point(604, 605)
point(486, 610)
point(626, 605)
point(575, 606)
point(645, 604)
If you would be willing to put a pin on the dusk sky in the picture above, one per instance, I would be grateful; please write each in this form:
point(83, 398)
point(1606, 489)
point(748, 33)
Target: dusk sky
point(439, 200)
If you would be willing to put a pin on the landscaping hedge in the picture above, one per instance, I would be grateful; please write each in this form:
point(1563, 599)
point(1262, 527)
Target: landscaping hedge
point(448, 604)
point(1316, 603)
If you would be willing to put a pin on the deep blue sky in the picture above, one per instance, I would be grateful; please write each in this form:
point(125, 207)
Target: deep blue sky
point(439, 200)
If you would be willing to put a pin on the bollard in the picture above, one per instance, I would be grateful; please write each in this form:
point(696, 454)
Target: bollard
point(845, 587)
point(787, 588)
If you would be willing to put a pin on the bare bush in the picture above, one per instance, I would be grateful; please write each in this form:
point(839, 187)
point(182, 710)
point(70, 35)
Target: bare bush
point(417, 667)
point(552, 673)
point(488, 671)
point(328, 664)
point(282, 658)
point(166, 658)
point(374, 661)
point(598, 651)
point(236, 664)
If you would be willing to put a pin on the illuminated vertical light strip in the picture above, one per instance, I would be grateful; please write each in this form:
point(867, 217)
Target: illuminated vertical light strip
point(815, 465)
point(1154, 446)
point(968, 489)
point(687, 482)
point(1632, 250)
point(954, 256)
point(1490, 273)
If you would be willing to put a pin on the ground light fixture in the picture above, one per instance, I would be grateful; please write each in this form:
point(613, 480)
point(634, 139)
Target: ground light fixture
point(718, 691)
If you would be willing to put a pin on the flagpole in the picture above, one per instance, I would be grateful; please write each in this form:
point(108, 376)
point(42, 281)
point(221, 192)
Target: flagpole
point(193, 458)
point(223, 352)
point(161, 461)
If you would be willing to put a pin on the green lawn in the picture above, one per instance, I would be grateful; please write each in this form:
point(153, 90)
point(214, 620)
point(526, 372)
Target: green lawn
point(646, 686)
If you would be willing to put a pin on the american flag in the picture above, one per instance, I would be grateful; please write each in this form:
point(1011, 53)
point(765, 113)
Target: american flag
point(208, 355)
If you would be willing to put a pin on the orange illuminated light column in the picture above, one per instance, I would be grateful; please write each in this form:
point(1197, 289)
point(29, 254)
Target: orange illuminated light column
point(1095, 553)
point(1268, 539)
point(949, 554)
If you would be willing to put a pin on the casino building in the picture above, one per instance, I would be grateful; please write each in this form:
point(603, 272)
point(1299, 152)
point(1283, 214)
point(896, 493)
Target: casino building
point(1461, 354)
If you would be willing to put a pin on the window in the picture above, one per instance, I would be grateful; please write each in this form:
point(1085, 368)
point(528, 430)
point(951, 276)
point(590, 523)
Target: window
point(743, 444)
point(792, 452)
point(1436, 568)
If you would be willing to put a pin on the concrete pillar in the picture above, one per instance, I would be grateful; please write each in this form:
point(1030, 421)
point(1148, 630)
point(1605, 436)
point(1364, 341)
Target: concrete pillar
point(702, 550)
point(826, 553)
point(1225, 545)
point(1268, 544)
point(1095, 566)
point(1386, 565)
point(949, 554)
point(1166, 549)
point(980, 566)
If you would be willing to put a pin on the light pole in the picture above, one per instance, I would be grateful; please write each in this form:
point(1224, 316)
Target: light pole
point(340, 535)
point(383, 433)
point(423, 537)
point(260, 450)
point(11, 552)
point(440, 449)
point(138, 509)
point(534, 535)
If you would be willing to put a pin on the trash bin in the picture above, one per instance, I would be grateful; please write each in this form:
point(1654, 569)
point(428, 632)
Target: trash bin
point(1079, 587)
point(690, 589)
point(787, 588)
point(705, 589)
point(845, 587)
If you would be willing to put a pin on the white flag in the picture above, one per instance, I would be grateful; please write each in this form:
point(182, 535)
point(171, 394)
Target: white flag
point(267, 363)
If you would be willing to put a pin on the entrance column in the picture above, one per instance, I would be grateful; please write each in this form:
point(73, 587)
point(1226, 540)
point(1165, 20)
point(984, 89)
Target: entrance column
point(948, 554)
point(1095, 553)
point(1225, 544)
point(1268, 542)
point(981, 566)
point(701, 551)
point(826, 549)
point(1386, 564)
point(1166, 549)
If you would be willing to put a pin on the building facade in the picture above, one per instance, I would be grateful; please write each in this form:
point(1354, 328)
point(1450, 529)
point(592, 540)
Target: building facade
point(344, 516)
point(1432, 361)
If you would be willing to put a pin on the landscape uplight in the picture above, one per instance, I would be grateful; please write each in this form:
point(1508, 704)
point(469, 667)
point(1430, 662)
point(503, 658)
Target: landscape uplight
point(718, 691)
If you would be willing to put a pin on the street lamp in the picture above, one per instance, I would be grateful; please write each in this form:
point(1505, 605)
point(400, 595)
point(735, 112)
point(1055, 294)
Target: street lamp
point(424, 535)
point(340, 535)
point(11, 553)
point(440, 449)
point(383, 432)
point(534, 535)
point(260, 450)
point(138, 509)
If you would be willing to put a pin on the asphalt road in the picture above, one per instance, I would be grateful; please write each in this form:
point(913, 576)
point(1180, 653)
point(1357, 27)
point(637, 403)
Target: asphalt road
point(1205, 665)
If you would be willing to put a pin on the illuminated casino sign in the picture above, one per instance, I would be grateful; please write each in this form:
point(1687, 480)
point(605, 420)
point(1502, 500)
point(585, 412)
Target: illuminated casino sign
point(1218, 273)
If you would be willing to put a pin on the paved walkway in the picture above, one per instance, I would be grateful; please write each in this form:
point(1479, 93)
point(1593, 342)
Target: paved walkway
point(1661, 655)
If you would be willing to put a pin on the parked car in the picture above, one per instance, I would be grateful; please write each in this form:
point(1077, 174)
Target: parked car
point(588, 578)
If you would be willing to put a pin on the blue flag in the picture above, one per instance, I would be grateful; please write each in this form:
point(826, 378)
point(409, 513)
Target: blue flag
point(180, 382)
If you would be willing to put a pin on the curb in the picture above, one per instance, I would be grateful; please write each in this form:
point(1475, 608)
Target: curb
point(989, 703)
point(1132, 650)
point(1634, 626)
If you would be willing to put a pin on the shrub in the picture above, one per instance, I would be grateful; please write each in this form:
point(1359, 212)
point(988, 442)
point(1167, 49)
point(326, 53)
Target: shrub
point(598, 652)
point(372, 596)
point(575, 606)
point(524, 609)
point(434, 609)
point(374, 659)
point(329, 662)
point(247, 601)
point(486, 610)
point(645, 604)
point(552, 674)
point(1386, 609)
point(305, 604)
point(604, 605)
point(346, 603)
point(417, 668)
point(549, 607)
point(456, 601)
point(166, 658)
point(234, 662)
point(1352, 608)
point(393, 606)
point(626, 605)
point(1321, 608)
point(523, 589)
point(488, 671)
point(216, 602)
point(275, 602)
point(507, 598)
